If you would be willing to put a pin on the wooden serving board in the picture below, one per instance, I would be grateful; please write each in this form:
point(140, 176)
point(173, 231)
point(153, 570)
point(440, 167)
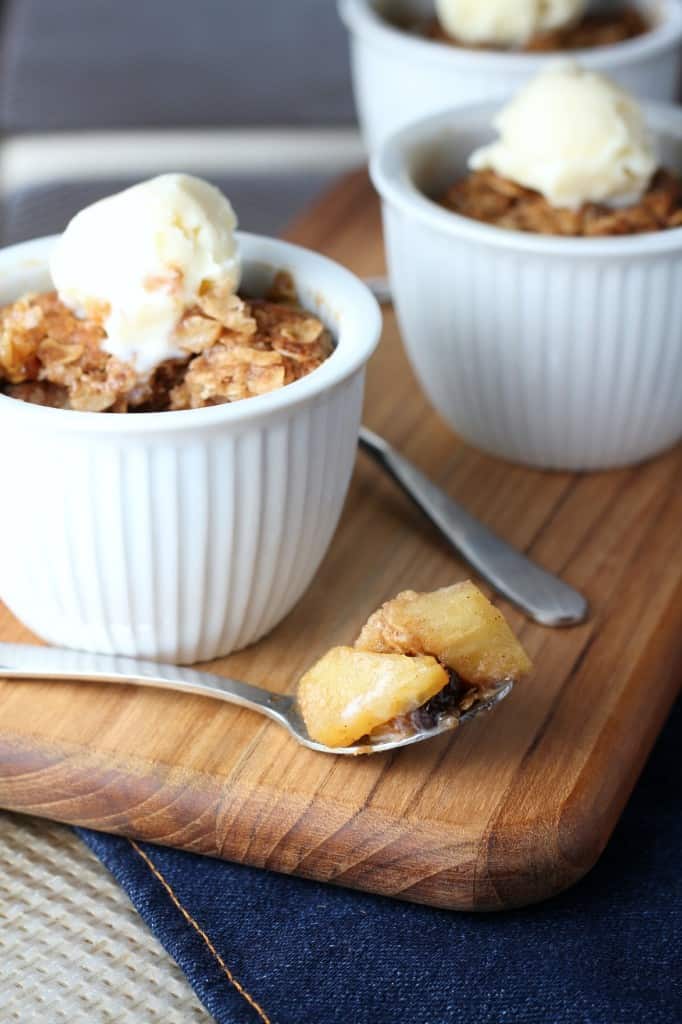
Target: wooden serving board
point(513, 808)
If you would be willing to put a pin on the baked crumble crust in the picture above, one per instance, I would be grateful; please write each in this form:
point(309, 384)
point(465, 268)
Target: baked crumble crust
point(486, 196)
point(593, 30)
point(236, 348)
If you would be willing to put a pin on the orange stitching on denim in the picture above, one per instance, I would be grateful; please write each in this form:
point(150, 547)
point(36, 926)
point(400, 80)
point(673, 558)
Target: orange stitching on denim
point(190, 920)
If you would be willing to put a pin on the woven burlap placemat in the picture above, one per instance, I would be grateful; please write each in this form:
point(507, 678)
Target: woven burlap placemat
point(72, 948)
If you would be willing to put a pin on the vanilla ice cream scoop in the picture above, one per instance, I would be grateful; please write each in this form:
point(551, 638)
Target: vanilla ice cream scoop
point(143, 256)
point(575, 137)
point(505, 22)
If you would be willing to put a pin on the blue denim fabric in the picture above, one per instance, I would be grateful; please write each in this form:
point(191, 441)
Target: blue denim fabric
point(609, 951)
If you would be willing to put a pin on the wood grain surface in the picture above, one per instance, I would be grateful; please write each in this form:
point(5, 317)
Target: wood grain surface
point(517, 805)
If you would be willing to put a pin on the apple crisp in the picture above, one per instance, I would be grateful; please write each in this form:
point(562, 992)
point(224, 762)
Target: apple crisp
point(237, 347)
point(592, 30)
point(421, 661)
point(485, 196)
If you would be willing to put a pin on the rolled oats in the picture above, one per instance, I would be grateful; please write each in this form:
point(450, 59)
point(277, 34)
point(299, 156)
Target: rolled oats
point(485, 196)
point(236, 348)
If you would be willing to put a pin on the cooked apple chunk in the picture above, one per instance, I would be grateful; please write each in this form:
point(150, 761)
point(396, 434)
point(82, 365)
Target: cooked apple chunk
point(421, 661)
point(349, 692)
point(457, 625)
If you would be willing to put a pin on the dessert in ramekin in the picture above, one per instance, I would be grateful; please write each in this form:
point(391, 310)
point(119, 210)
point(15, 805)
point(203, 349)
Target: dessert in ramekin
point(149, 314)
point(399, 75)
point(559, 352)
point(182, 535)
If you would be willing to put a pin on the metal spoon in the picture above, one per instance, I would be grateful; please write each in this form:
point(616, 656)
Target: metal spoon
point(380, 289)
point(24, 661)
point(537, 592)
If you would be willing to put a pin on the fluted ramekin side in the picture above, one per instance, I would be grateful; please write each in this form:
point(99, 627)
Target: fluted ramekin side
point(179, 548)
point(550, 361)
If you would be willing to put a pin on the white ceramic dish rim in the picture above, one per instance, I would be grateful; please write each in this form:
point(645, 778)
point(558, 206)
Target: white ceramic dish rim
point(361, 17)
point(356, 335)
point(393, 182)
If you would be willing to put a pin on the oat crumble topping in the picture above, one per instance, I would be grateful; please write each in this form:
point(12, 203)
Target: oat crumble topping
point(236, 348)
point(487, 197)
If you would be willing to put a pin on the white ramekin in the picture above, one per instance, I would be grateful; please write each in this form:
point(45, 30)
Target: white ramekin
point(556, 352)
point(182, 536)
point(399, 77)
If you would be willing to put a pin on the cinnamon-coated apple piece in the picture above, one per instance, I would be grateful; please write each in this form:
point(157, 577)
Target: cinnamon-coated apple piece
point(451, 643)
point(457, 625)
point(348, 693)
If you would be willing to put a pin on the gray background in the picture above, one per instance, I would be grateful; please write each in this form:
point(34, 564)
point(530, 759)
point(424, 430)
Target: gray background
point(79, 65)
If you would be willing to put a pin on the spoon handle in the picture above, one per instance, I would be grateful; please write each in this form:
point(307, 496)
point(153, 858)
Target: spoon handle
point(24, 661)
point(380, 289)
point(541, 595)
